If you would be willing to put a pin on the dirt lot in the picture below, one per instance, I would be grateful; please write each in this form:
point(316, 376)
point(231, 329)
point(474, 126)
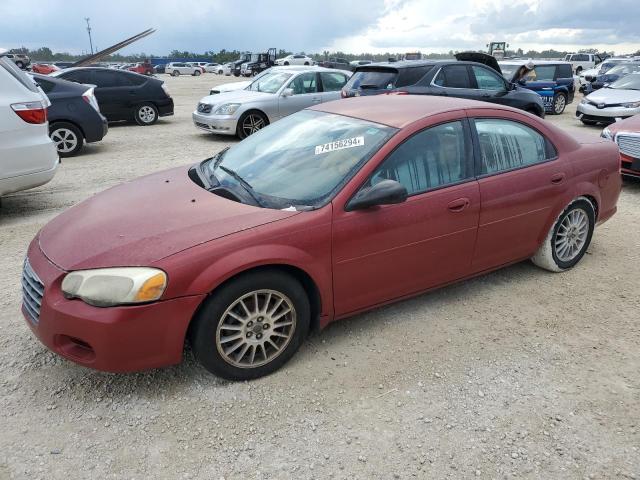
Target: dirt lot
point(517, 374)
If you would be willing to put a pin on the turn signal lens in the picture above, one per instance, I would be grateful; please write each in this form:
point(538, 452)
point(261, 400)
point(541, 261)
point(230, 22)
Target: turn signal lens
point(152, 289)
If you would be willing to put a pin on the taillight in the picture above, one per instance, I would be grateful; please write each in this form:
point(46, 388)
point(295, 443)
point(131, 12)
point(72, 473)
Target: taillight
point(166, 90)
point(31, 112)
point(90, 98)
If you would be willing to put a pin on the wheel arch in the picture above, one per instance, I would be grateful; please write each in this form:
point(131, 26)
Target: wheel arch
point(563, 205)
point(64, 120)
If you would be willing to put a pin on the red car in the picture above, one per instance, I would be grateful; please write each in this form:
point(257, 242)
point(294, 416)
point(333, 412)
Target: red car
point(142, 68)
point(326, 213)
point(626, 134)
point(43, 68)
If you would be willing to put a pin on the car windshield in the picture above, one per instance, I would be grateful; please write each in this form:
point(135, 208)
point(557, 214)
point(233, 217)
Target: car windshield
point(373, 79)
point(630, 82)
point(508, 69)
point(624, 69)
point(270, 83)
point(300, 161)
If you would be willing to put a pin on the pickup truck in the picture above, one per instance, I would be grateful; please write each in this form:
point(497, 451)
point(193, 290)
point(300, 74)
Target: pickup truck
point(339, 63)
point(582, 61)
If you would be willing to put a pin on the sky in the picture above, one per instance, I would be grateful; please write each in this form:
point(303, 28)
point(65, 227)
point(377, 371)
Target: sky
point(352, 26)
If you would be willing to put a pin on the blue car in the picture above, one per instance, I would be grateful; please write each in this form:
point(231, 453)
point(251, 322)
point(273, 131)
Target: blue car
point(611, 76)
point(552, 80)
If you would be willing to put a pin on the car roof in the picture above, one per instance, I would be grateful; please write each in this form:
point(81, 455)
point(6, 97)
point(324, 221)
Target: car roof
point(406, 63)
point(106, 69)
point(401, 110)
point(534, 61)
point(304, 68)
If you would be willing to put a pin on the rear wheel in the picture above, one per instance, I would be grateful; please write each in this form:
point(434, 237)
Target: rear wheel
point(559, 103)
point(67, 138)
point(568, 239)
point(20, 64)
point(251, 326)
point(250, 122)
point(146, 114)
point(197, 73)
point(306, 63)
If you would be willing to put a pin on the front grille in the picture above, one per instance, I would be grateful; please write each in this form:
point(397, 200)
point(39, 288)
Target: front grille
point(629, 144)
point(32, 292)
point(204, 108)
point(203, 125)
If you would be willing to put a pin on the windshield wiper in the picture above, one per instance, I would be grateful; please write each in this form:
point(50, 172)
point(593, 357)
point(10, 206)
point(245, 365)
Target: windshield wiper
point(219, 156)
point(246, 185)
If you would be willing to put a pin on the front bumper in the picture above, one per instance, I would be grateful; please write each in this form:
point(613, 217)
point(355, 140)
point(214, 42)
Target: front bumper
point(115, 339)
point(221, 124)
point(607, 114)
point(629, 166)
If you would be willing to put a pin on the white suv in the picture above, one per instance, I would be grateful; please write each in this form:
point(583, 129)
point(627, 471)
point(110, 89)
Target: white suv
point(28, 157)
point(179, 68)
point(582, 61)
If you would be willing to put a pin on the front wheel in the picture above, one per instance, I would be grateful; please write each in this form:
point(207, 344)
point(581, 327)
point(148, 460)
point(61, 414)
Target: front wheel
point(175, 73)
point(589, 122)
point(146, 114)
point(251, 326)
point(250, 123)
point(559, 103)
point(197, 73)
point(67, 138)
point(20, 65)
point(568, 239)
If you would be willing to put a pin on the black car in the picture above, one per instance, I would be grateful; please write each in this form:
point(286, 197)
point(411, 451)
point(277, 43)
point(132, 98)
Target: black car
point(160, 68)
point(124, 95)
point(74, 116)
point(480, 79)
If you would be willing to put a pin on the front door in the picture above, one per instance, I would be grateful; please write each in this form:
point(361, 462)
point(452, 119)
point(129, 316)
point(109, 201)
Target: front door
point(521, 183)
point(390, 251)
point(305, 94)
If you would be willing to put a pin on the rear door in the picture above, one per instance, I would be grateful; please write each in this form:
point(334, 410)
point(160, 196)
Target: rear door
point(521, 182)
point(305, 94)
point(542, 80)
point(115, 95)
point(332, 83)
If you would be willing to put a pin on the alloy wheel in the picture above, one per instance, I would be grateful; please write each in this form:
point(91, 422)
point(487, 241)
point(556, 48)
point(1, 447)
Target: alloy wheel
point(146, 114)
point(256, 328)
point(252, 123)
point(559, 104)
point(572, 235)
point(65, 140)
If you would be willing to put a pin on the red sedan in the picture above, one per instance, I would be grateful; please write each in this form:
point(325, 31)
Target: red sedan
point(43, 68)
point(329, 212)
point(626, 134)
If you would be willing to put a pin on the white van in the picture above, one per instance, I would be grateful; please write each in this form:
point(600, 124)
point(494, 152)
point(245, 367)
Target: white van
point(28, 157)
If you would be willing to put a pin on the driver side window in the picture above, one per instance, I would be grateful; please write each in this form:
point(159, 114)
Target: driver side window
point(487, 80)
point(305, 83)
point(432, 158)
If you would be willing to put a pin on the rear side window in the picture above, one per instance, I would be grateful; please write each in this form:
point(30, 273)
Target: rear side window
point(109, 79)
point(411, 76)
point(373, 79)
point(332, 82)
point(564, 71)
point(486, 79)
point(506, 145)
point(45, 85)
point(18, 74)
point(133, 79)
point(542, 73)
point(453, 76)
point(78, 76)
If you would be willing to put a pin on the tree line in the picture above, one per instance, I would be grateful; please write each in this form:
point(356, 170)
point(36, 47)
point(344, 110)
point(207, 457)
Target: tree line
point(45, 54)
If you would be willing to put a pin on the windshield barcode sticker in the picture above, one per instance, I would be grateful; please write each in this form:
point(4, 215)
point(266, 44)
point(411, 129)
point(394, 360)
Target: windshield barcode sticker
point(339, 145)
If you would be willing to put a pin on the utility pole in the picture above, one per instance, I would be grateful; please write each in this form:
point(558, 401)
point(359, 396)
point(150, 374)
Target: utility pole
point(89, 32)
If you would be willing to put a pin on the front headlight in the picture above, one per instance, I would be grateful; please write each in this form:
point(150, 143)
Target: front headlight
point(606, 133)
point(107, 287)
point(584, 101)
point(631, 105)
point(227, 109)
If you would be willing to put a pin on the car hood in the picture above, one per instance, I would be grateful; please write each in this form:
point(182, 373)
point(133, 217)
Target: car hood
point(231, 87)
point(591, 72)
point(143, 221)
point(631, 124)
point(613, 96)
point(484, 58)
point(239, 96)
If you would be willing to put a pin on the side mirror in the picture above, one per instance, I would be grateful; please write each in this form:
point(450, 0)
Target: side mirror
point(386, 192)
point(287, 92)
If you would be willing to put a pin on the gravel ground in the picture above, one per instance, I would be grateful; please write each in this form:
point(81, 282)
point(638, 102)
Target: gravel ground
point(517, 374)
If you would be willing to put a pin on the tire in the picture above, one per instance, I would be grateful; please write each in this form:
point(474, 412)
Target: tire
point(220, 72)
point(68, 138)
point(306, 63)
point(589, 122)
point(146, 114)
point(250, 122)
point(286, 63)
point(20, 64)
point(559, 103)
point(572, 230)
point(272, 292)
point(175, 73)
point(578, 70)
point(197, 73)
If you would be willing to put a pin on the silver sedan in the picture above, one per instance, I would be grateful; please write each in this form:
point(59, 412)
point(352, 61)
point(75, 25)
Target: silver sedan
point(276, 94)
point(620, 99)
